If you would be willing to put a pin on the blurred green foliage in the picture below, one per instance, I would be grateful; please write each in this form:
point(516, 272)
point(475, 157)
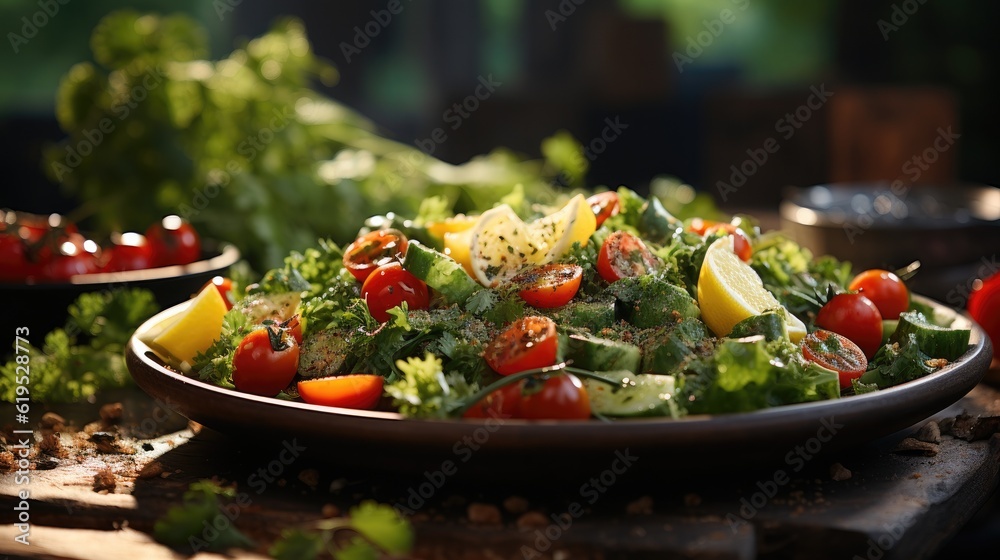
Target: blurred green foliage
point(244, 148)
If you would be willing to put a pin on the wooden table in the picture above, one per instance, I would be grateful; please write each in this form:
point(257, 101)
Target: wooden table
point(892, 505)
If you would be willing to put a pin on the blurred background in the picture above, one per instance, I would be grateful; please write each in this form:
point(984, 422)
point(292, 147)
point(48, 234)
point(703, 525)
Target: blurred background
point(694, 92)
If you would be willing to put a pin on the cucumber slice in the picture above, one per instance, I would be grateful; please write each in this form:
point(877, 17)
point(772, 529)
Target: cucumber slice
point(594, 316)
point(601, 354)
point(441, 272)
point(636, 395)
point(935, 341)
point(769, 324)
point(666, 350)
point(648, 302)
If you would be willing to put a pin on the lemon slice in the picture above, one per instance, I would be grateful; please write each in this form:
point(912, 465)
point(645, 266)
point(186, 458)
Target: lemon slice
point(193, 330)
point(556, 233)
point(454, 224)
point(457, 245)
point(730, 291)
point(500, 246)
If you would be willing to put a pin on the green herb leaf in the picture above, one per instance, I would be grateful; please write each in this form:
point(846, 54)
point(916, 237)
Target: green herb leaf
point(383, 526)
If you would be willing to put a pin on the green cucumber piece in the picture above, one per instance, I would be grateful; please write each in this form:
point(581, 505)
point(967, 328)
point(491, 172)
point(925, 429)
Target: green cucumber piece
point(441, 272)
point(656, 223)
point(648, 302)
point(888, 328)
point(769, 324)
point(935, 341)
point(635, 395)
point(593, 316)
point(601, 354)
point(668, 348)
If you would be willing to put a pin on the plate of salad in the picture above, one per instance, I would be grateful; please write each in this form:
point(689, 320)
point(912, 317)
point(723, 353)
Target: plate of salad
point(564, 333)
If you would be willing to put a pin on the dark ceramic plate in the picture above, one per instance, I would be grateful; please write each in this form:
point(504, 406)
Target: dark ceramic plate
point(386, 440)
point(42, 307)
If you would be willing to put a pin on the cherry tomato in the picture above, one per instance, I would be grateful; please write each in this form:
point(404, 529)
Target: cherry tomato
point(174, 241)
point(130, 251)
point(346, 391)
point(741, 243)
point(624, 255)
point(984, 306)
point(604, 204)
point(701, 226)
point(529, 343)
point(294, 327)
point(835, 352)
point(552, 285)
point(373, 250)
point(885, 290)
point(225, 287)
point(556, 396)
point(853, 316)
point(265, 362)
point(389, 286)
point(14, 264)
point(74, 256)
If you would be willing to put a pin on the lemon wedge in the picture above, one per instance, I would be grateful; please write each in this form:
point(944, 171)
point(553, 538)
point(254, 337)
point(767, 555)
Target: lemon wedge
point(500, 246)
point(457, 245)
point(454, 224)
point(192, 330)
point(729, 291)
point(557, 232)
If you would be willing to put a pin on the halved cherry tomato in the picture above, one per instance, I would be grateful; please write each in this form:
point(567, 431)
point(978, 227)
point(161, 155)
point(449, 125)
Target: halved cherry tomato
point(604, 204)
point(836, 352)
point(853, 316)
point(529, 343)
point(389, 286)
point(129, 251)
point(265, 361)
point(346, 391)
point(373, 250)
point(552, 285)
point(885, 290)
point(174, 241)
point(741, 243)
point(225, 287)
point(624, 255)
point(554, 396)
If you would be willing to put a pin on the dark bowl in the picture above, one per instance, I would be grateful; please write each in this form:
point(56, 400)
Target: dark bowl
point(42, 307)
point(385, 440)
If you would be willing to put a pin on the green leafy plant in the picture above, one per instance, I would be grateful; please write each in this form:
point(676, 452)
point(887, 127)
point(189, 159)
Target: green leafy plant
point(378, 529)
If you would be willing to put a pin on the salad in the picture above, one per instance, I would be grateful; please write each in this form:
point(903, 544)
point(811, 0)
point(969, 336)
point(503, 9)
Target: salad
point(604, 307)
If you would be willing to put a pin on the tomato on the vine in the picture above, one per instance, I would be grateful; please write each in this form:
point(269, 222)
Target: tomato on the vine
point(604, 204)
point(551, 396)
point(624, 255)
point(853, 316)
point(885, 290)
point(174, 241)
point(836, 352)
point(529, 343)
point(373, 250)
point(265, 361)
point(357, 391)
point(548, 286)
point(389, 286)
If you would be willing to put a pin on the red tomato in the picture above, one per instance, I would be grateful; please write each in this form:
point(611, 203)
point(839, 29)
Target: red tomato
point(557, 396)
point(552, 285)
point(70, 259)
point(741, 243)
point(604, 204)
point(835, 352)
point(389, 286)
point(265, 362)
point(225, 287)
point(14, 264)
point(853, 316)
point(346, 391)
point(701, 226)
point(293, 326)
point(174, 241)
point(529, 343)
point(130, 251)
point(984, 306)
point(885, 290)
point(624, 255)
point(373, 250)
